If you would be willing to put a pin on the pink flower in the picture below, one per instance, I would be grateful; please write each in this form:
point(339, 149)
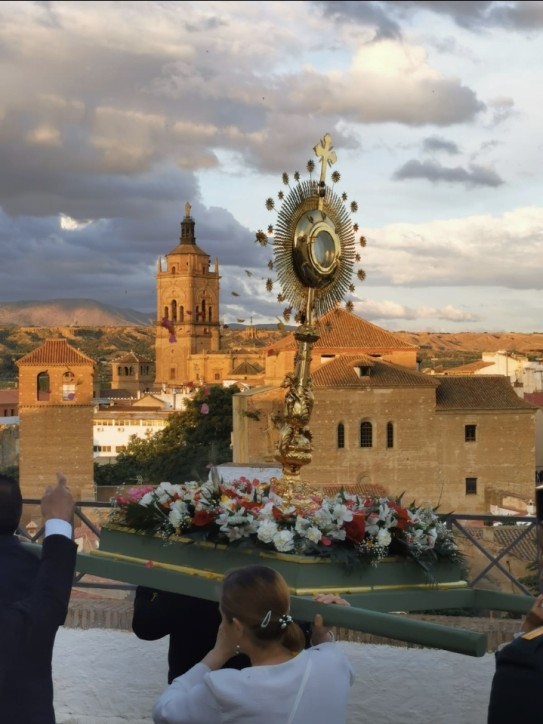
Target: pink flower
point(326, 541)
point(149, 564)
point(204, 409)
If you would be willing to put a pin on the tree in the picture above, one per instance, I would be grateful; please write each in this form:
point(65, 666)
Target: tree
point(194, 438)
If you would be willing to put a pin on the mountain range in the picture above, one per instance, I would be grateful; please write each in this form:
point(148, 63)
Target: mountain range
point(70, 312)
point(73, 313)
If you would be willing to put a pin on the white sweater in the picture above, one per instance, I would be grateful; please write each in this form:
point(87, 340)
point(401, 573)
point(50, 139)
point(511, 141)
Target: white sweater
point(262, 694)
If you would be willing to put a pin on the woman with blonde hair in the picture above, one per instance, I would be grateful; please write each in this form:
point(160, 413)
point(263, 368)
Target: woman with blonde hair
point(286, 683)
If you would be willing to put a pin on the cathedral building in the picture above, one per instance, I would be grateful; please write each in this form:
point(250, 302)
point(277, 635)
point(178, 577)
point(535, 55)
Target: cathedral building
point(187, 307)
point(187, 341)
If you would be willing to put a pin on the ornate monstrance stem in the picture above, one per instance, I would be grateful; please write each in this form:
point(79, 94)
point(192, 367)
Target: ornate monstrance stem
point(313, 256)
point(294, 448)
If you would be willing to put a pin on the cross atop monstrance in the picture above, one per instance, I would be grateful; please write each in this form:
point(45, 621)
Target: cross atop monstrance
point(325, 151)
point(313, 243)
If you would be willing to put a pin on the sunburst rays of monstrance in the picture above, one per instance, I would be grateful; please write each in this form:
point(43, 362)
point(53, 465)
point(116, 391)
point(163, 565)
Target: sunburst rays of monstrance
point(314, 254)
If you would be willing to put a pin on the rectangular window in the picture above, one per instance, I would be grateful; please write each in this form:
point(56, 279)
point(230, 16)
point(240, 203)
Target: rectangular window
point(390, 435)
point(341, 435)
point(366, 434)
point(470, 433)
point(471, 486)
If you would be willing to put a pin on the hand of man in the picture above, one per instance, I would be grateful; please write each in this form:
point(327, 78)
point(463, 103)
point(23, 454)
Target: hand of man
point(58, 502)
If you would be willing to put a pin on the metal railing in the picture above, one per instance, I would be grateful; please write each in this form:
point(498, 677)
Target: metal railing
point(455, 521)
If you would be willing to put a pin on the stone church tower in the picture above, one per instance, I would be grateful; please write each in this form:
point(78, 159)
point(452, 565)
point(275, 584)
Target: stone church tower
point(56, 419)
point(187, 307)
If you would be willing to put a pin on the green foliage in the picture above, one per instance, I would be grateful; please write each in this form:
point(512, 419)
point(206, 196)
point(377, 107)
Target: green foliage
point(531, 581)
point(11, 470)
point(194, 438)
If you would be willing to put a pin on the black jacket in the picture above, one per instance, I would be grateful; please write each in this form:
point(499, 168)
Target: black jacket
point(515, 695)
point(28, 626)
point(191, 623)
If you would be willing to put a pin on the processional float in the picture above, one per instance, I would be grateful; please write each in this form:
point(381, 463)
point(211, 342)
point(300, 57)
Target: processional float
point(314, 250)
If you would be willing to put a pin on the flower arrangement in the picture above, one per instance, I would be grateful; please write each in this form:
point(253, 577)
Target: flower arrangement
point(345, 527)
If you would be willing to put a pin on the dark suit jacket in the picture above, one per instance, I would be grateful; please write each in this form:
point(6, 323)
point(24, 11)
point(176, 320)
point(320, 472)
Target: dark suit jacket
point(191, 623)
point(515, 695)
point(28, 628)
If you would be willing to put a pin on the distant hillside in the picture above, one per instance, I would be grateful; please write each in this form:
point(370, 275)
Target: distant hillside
point(475, 341)
point(122, 333)
point(69, 312)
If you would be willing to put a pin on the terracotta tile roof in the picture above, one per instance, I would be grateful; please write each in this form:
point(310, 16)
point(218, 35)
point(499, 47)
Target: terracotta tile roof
point(132, 357)
point(362, 489)
point(480, 393)
point(342, 372)
point(188, 249)
point(55, 352)
point(117, 394)
point(343, 330)
point(247, 368)
point(468, 369)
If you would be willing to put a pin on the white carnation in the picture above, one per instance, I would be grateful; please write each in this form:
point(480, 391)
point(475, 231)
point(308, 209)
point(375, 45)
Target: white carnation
point(266, 531)
point(147, 499)
point(383, 537)
point(283, 541)
point(177, 512)
point(313, 534)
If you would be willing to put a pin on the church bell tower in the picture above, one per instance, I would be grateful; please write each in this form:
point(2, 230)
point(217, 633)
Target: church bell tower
point(187, 307)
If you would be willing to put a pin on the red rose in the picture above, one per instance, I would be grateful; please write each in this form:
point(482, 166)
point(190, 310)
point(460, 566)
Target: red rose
point(401, 514)
point(202, 517)
point(249, 504)
point(356, 528)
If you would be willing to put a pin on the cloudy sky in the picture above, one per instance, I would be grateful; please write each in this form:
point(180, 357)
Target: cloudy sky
point(114, 114)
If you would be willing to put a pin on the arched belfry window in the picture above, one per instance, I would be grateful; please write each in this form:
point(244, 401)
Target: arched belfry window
point(68, 386)
point(390, 435)
point(43, 386)
point(166, 313)
point(173, 270)
point(174, 310)
point(366, 434)
point(181, 314)
point(204, 309)
point(209, 314)
point(341, 435)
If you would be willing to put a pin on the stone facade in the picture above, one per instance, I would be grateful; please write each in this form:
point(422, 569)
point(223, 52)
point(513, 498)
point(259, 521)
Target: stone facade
point(56, 412)
point(133, 373)
point(447, 441)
